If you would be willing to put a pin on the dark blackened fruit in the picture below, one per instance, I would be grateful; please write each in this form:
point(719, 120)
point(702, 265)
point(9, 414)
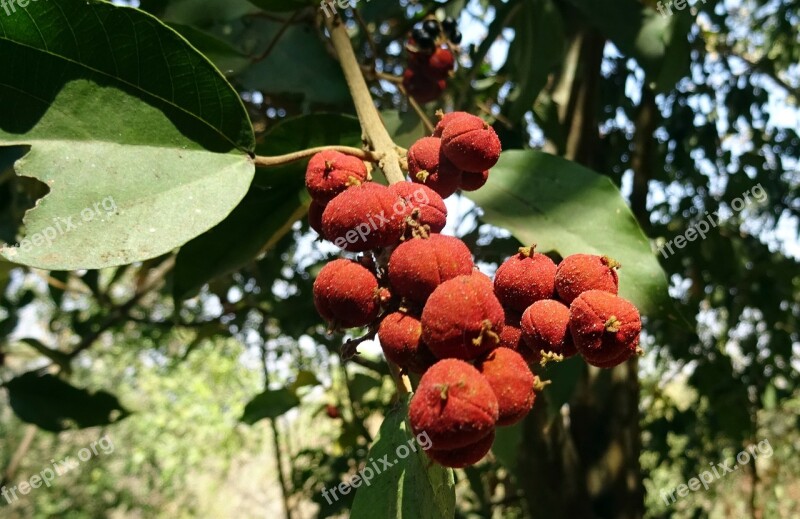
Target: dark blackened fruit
point(462, 318)
point(346, 294)
point(315, 211)
point(419, 265)
point(454, 405)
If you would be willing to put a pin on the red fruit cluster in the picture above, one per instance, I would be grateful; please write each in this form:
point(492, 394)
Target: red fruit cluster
point(458, 156)
point(565, 309)
point(430, 64)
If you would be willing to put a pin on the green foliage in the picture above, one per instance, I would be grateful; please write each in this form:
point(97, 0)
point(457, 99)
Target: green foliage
point(54, 405)
point(412, 486)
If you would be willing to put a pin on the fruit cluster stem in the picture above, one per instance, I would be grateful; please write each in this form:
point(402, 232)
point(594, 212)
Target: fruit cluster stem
point(375, 134)
point(281, 160)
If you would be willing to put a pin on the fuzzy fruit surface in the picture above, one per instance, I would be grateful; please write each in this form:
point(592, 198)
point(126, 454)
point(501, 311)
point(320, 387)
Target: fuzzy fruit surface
point(364, 217)
point(512, 382)
point(419, 265)
point(472, 181)
point(471, 144)
point(454, 404)
point(525, 278)
point(445, 119)
point(421, 87)
point(432, 209)
point(511, 338)
point(400, 336)
point(331, 172)
point(605, 328)
point(427, 165)
point(464, 456)
point(346, 294)
point(545, 326)
point(581, 272)
point(462, 318)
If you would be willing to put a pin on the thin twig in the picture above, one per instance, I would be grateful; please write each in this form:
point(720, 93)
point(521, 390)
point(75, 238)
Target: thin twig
point(278, 36)
point(281, 160)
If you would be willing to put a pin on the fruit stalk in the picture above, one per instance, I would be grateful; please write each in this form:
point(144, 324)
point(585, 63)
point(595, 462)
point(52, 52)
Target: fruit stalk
point(375, 134)
point(281, 160)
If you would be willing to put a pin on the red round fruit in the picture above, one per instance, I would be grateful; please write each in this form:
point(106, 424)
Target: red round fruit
point(445, 119)
point(346, 294)
point(419, 265)
point(426, 165)
point(511, 338)
point(462, 318)
point(331, 172)
point(512, 382)
point(464, 456)
point(545, 327)
point(364, 217)
point(332, 411)
point(471, 144)
point(432, 210)
point(581, 272)
point(421, 87)
point(524, 279)
point(400, 337)
point(315, 211)
point(472, 181)
point(439, 64)
point(454, 405)
point(605, 328)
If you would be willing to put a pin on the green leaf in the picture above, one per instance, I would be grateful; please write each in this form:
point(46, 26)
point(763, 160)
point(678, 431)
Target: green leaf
point(274, 203)
point(538, 47)
point(55, 405)
point(561, 206)
point(226, 58)
point(269, 404)
point(413, 487)
point(405, 128)
point(277, 6)
point(304, 379)
point(141, 141)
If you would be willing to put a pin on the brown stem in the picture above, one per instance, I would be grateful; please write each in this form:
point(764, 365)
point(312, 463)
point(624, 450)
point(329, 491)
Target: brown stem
point(282, 160)
point(19, 455)
point(375, 134)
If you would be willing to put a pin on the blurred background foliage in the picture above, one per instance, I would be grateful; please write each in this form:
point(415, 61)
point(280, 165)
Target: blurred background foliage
point(238, 404)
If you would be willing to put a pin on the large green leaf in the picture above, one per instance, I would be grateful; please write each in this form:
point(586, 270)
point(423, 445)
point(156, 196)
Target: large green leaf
point(413, 487)
point(55, 405)
point(269, 404)
point(141, 141)
point(274, 203)
point(538, 47)
point(564, 207)
point(281, 5)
